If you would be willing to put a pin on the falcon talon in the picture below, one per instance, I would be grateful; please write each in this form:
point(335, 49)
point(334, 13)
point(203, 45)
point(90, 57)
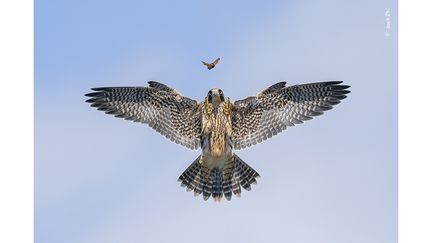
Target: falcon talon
point(218, 126)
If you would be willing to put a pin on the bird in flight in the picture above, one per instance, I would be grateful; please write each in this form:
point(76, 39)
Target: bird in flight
point(210, 66)
point(217, 126)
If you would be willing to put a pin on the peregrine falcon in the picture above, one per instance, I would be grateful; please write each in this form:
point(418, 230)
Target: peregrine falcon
point(218, 126)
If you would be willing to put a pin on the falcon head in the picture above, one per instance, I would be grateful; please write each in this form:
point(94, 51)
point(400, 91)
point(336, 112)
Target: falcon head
point(215, 97)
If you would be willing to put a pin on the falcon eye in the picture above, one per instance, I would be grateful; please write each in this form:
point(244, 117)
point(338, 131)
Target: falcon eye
point(221, 95)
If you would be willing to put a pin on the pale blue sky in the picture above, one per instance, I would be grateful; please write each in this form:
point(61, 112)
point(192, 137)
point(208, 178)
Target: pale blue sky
point(103, 179)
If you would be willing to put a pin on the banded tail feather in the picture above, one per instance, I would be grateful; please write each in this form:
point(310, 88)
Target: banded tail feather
point(218, 183)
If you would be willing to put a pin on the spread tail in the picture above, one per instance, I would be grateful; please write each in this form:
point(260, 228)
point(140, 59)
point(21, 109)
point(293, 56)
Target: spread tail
point(218, 183)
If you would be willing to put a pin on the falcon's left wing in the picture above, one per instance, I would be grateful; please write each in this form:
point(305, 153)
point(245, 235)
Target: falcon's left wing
point(259, 117)
point(161, 107)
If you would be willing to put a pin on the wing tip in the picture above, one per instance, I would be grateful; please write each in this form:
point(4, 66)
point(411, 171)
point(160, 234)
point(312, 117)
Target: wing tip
point(100, 88)
point(152, 83)
point(92, 100)
point(93, 94)
point(338, 87)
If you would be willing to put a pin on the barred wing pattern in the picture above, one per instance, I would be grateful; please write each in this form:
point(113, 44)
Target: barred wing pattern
point(161, 107)
point(260, 117)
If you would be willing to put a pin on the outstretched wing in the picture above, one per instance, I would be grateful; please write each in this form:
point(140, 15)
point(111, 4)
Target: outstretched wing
point(259, 117)
point(161, 107)
point(216, 61)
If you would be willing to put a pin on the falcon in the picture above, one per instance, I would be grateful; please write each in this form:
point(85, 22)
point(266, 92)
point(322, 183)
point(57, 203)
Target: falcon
point(210, 66)
point(217, 126)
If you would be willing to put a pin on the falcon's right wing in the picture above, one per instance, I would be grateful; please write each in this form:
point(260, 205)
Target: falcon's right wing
point(161, 107)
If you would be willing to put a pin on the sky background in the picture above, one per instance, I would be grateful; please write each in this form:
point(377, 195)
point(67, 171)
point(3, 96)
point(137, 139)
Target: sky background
point(104, 179)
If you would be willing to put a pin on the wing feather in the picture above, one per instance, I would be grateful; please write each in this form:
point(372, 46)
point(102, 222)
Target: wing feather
point(161, 107)
point(278, 107)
